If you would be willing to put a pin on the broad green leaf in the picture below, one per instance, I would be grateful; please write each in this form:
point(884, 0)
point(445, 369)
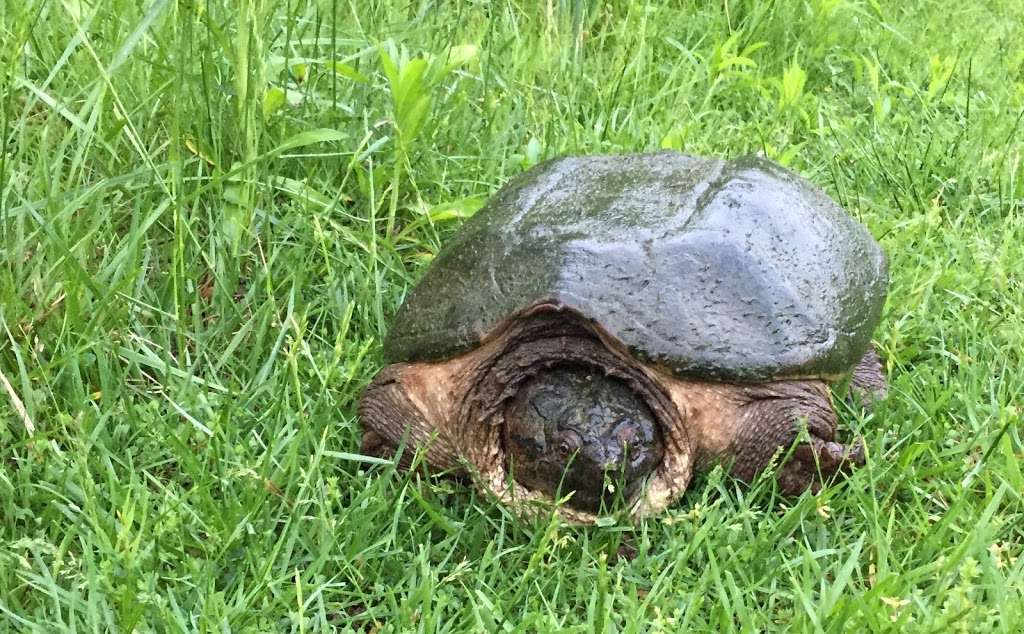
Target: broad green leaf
point(1012, 466)
point(791, 88)
point(410, 83)
point(232, 222)
point(309, 137)
point(460, 56)
point(736, 61)
point(233, 194)
point(348, 71)
point(752, 48)
point(300, 191)
point(675, 139)
point(939, 71)
point(300, 71)
point(455, 210)
point(389, 67)
point(412, 119)
point(786, 158)
point(273, 99)
point(533, 151)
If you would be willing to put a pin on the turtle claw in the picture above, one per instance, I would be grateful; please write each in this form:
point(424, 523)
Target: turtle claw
point(817, 461)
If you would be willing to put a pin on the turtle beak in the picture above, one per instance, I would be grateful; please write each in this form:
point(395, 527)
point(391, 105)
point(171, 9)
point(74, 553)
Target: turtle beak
point(608, 464)
point(602, 456)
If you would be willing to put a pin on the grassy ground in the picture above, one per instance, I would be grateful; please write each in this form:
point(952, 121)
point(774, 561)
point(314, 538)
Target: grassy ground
point(209, 214)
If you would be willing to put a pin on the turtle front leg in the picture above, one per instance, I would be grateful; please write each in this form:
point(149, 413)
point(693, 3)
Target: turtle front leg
point(406, 404)
point(814, 462)
point(867, 384)
point(771, 421)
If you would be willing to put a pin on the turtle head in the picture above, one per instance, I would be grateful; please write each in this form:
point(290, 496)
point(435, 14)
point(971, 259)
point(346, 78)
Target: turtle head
point(573, 429)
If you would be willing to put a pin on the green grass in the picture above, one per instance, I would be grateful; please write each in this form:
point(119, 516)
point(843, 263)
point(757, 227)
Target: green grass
point(209, 215)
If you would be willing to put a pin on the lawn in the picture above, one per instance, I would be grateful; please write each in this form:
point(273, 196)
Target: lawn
point(210, 213)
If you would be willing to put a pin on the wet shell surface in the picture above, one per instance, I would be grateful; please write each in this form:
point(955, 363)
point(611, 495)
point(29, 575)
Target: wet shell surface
point(723, 270)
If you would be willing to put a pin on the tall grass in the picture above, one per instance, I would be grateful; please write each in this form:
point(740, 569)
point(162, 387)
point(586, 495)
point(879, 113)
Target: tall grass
point(210, 211)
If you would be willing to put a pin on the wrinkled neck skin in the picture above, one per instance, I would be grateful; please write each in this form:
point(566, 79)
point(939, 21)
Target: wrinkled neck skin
point(453, 411)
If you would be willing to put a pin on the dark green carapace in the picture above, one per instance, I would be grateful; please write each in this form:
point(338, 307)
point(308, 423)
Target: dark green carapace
point(727, 270)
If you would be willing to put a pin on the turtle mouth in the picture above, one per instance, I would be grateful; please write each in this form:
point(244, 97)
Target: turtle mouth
point(578, 420)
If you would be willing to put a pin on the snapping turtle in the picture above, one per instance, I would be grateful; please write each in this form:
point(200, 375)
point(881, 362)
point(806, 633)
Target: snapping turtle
point(606, 325)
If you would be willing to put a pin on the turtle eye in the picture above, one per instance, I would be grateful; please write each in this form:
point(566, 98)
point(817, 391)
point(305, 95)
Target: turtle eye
point(568, 442)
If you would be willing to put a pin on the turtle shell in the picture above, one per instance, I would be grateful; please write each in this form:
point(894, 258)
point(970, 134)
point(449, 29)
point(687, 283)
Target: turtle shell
point(725, 270)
